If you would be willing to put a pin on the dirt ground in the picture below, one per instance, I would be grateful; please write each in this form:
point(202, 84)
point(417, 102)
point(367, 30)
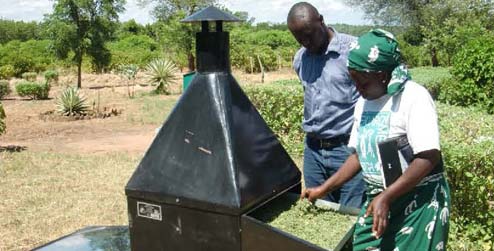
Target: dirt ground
point(27, 129)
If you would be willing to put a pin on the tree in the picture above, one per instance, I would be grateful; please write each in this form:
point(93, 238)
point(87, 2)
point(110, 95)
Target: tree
point(130, 28)
point(426, 20)
point(18, 30)
point(169, 13)
point(83, 27)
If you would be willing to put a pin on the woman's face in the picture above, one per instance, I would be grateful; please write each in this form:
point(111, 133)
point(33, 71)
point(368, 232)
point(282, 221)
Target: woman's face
point(370, 85)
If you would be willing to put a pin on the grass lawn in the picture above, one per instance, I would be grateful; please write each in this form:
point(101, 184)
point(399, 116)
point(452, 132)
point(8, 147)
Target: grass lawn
point(48, 195)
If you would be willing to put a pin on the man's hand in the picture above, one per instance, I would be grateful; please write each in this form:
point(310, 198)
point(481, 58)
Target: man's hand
point(379, 209)
point(312, 193)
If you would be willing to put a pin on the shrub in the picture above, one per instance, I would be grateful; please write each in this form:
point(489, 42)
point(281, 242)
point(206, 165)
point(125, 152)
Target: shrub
point(51, 76)
point(2, 119)
point(71, 102)
point(415, 56)
point(274, 48)
point(4, 88)
point(161, 72)
point(7, 72)
point(29, 56)
point(33, 90)
point(473, 67)
point(134, 49)
point(29, 76)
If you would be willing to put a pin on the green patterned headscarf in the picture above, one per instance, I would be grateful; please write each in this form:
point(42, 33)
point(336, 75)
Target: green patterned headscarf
point(377, 50)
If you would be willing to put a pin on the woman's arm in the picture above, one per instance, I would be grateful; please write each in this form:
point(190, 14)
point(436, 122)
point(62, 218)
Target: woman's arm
point(345, 173)
point(420, 167)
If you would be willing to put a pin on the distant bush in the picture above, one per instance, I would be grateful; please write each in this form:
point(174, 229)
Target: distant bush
point(274, 48)
point(4, 88)
point(133, 49)
point(473, 67)
point(51, 76)
point(7, 72)
point(33, 90)
point(415, 56)
point(29, 56)
point(29, 76)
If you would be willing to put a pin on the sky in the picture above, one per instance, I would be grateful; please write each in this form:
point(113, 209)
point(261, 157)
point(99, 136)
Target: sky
point(275, 11)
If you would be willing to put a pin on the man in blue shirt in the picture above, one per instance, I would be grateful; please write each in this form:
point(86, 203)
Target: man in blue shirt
point(329, 100)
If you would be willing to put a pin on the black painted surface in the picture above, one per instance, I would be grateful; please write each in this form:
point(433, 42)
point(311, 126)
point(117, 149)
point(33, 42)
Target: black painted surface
point(183, 229)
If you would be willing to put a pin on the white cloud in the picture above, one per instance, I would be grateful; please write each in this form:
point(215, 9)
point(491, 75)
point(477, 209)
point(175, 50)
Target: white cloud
point(133, 11)
point(27, 10)
point(275, 11)
point(33, 10)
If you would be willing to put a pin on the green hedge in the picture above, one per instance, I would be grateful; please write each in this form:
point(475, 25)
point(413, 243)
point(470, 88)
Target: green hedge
point(281, 106)
point(467, 142)
point(33, 90)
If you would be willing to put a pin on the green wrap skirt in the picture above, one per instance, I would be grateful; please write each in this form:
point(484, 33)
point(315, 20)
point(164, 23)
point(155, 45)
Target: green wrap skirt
point(419, 220)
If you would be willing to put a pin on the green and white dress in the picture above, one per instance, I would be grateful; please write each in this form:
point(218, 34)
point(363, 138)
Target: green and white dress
point(419, 220)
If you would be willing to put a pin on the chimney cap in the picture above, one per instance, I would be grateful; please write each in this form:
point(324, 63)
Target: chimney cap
point(210, 13)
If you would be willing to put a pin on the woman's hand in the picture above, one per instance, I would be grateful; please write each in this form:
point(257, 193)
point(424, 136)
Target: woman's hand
point(379, 209)
point(313, 193)
point(344, 174)
point(422, 165)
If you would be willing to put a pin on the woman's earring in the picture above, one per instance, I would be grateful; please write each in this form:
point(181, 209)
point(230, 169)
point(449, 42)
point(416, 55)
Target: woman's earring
point(384, 81)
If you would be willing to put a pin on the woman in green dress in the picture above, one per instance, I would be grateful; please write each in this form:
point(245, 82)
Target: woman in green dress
point(410, 212)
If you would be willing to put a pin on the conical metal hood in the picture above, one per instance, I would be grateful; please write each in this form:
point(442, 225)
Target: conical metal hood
point(211, 13)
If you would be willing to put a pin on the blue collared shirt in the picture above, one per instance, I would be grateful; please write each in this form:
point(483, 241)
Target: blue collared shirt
point(329, 93)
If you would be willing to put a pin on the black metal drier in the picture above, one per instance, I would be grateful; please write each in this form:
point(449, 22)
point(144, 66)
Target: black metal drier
point(213, 160)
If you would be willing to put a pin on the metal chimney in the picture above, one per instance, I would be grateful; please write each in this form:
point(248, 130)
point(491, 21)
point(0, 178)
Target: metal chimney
point(214, 159)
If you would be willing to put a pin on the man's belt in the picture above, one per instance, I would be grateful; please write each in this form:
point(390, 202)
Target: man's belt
point(329, 142)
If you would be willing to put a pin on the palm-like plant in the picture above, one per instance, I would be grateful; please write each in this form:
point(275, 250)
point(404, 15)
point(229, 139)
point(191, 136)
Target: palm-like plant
point(162, 72)
point(71, 102)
